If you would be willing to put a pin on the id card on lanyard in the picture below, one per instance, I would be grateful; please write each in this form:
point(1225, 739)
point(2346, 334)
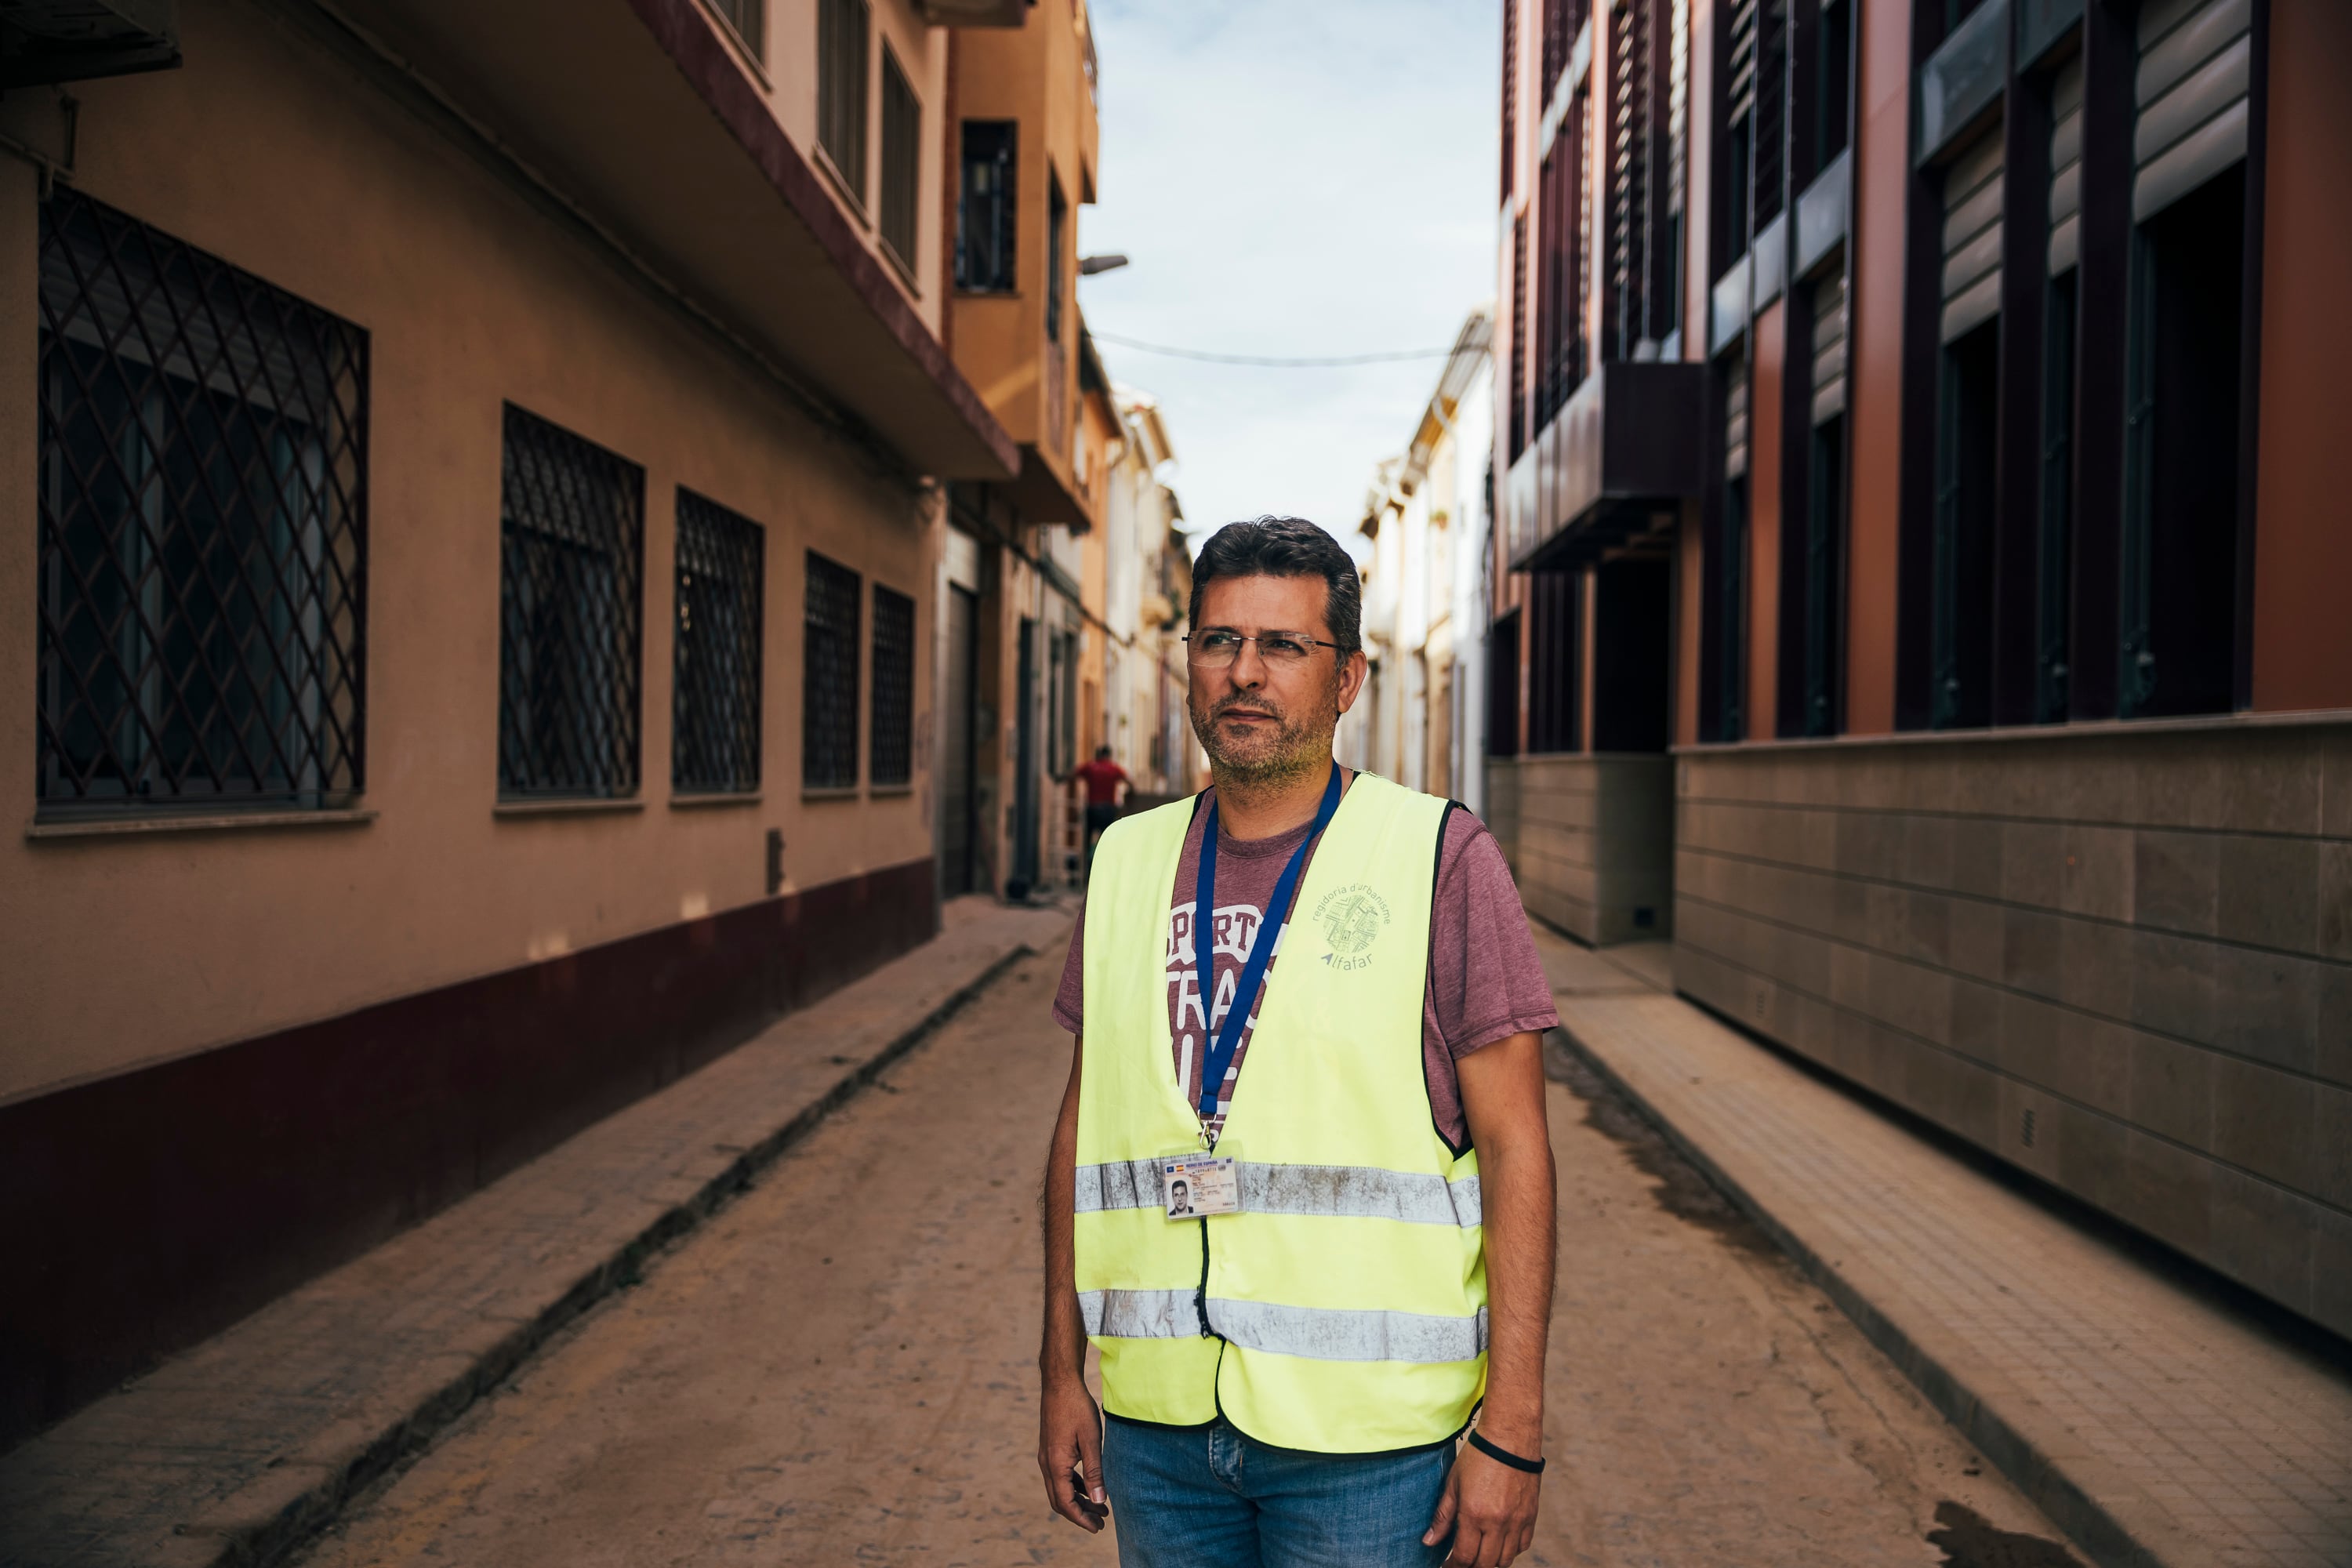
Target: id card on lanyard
point(1228, 1038)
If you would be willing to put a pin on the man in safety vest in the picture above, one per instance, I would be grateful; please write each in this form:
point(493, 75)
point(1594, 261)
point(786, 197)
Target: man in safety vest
point(1303, 1295)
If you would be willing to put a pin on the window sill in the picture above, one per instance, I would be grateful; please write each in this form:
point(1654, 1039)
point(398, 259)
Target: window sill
point(713, 798)
point(901, 266)
point(963, 293)
point(879, 791)
point(741, 47)
point(215, 822)
point(855, 203)
point(565, 807)
point(850, 793)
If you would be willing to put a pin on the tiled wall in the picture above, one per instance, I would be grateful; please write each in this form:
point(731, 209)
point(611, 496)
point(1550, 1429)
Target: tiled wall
point(1591, 841)
point(2141, 937)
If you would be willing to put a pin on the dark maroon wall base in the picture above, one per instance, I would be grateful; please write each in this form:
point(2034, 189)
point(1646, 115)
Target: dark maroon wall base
point(143, 1212)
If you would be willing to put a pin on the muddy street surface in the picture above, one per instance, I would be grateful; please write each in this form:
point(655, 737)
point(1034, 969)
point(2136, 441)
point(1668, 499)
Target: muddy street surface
point(841, 1368)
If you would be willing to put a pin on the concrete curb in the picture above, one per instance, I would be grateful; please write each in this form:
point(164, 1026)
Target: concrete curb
point(2044, 1481)
point(266, 1521)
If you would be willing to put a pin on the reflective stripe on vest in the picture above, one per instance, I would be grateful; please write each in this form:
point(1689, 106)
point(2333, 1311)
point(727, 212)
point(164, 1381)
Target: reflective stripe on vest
point(1321, 1333)
point(1345, 1303)
point(1360, 1191)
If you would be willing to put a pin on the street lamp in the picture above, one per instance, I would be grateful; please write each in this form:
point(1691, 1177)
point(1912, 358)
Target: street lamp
point(1089, 266)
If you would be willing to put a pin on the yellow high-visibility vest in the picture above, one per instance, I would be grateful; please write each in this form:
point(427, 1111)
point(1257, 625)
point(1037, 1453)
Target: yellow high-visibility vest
point(1344, 1309)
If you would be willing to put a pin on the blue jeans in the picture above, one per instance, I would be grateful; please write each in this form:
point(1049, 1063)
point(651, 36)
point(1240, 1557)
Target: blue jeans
point(1207, 1497)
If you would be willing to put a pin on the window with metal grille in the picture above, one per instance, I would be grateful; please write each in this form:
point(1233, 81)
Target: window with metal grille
point(715, 687)
point(1678, 145)
point(829, 677)
point(1736, 210)
point(1770, 144)
point(1632, 100)
point(1510, 90)
point(902, 158)
point(570, 547)
point(750, 20)
point(201, 543)
point(1516, 405)
point(893, 759)
point(844, 32)
point(984, 213)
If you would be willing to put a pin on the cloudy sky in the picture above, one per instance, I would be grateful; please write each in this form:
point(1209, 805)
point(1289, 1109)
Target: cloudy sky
point(1291, 178)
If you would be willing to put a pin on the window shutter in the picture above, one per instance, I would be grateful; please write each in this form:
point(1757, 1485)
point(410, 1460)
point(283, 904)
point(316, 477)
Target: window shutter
point(1972, 195)
point(1735, 424)
point(1829, 347)
point(2065, 165)
point(2195, 57)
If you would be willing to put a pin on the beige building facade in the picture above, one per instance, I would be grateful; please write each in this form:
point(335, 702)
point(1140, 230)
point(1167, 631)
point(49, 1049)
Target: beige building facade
point(1148, 598)
point(470, 509)
point(1033, 573)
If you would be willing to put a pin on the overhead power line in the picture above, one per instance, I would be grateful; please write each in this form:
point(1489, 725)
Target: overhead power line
point(1272, 361)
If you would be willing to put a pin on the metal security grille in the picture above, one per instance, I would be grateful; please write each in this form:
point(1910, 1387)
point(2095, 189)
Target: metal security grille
point(715, 689)
point(202, 555)
point(571, 537)
point(892, 762)
point(829, 678)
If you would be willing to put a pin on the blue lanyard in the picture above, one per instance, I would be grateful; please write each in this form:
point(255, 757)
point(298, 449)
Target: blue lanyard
point(1269, 932)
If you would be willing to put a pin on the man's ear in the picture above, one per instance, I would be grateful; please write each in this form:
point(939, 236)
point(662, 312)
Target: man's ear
point(1351, 679)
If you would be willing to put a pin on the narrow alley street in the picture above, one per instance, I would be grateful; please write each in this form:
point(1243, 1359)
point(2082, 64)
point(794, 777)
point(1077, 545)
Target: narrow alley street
point(840, 1368)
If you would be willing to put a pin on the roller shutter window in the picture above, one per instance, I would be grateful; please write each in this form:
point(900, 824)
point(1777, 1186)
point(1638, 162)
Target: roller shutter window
point(2065, 165)
point(1829, 348)
point(2195, 57)
point(1735, 424)
point(1972, 193)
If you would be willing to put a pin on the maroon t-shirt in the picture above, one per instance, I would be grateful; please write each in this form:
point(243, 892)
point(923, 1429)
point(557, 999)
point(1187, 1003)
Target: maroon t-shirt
point(1467, 1006)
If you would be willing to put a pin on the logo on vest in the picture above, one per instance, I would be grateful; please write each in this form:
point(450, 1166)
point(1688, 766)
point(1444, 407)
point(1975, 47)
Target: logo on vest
point(1351, 918)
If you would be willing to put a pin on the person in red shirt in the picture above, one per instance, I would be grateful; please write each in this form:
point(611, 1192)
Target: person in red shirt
point(1104, 779)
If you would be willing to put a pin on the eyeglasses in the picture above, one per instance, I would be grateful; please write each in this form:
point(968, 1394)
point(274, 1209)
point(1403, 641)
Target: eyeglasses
point(1216, 648)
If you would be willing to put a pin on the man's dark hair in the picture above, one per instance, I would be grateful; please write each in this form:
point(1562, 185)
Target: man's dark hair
point(1286, 547)
point(1101, 751)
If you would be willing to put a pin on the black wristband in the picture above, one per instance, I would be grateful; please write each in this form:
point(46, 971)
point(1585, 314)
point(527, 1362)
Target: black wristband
point(1503, 1456)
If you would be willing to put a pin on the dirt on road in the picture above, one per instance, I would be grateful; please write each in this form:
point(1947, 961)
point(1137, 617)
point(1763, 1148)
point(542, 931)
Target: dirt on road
point(841, 1368)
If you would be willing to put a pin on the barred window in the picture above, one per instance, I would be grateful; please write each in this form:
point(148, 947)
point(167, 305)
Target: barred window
point(829, 678)
point(902, 158)
point(892, 762)
point(715, 688)
point(843, 29)
point(201, 542)
point(571, 539)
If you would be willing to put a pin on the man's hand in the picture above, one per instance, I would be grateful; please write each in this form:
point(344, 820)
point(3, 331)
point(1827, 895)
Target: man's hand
point(1489, 1508)
point(1069, 1453)
point(1069, 1428)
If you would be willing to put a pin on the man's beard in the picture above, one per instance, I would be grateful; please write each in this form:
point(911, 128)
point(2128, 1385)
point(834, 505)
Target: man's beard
point(1298, 742)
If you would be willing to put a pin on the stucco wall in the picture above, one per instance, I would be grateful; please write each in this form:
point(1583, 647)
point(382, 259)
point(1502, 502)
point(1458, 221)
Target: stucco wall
point(122, 951)
point(2142, 937)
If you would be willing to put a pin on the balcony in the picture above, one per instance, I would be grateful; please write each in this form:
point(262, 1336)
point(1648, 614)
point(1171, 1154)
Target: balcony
point(1630, 442)
point(44, 41)
point(638, 121)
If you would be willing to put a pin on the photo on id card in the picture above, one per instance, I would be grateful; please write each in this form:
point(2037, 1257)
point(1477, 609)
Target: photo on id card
point(1196, 1184)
